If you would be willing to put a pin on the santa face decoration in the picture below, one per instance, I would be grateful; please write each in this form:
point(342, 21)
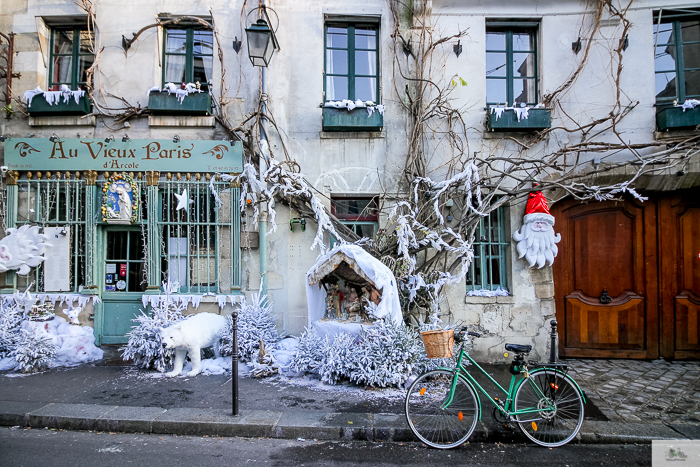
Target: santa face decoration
point(536, 239)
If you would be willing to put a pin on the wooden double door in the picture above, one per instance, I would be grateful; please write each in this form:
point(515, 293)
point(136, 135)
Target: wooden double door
point(627, 277)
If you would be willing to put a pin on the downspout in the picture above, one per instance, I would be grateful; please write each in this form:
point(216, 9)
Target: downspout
point(264, 151)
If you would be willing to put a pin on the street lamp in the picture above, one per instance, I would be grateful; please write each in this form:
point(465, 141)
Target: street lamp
point(261, 42)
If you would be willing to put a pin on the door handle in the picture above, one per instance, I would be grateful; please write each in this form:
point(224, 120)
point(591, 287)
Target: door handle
point(605, 298)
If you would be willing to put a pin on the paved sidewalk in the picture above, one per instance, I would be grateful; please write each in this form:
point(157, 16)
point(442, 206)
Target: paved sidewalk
point(623, 398)
point(642, 391)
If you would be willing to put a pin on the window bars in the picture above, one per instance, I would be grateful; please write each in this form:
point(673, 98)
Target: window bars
point(200, 242)
point(489, 268)
point(55, 202)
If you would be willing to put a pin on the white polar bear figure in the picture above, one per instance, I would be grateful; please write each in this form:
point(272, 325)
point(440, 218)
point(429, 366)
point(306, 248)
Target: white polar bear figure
point(192, 335)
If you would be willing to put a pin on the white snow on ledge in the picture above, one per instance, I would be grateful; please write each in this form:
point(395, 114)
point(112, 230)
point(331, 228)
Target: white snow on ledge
point(54, 97)
point(522, 112)
point(67, 298)
point(499, 292)
point(185, 299)
point(348, 104)
point(688, 104)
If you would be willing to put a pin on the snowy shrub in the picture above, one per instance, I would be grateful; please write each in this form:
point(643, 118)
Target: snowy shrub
point(310, 353)
point(33, 351)
point(341, 358)
point(10, 319)
point(385, 354)
point(255, 321)
point(226, 341)
point(144, 346)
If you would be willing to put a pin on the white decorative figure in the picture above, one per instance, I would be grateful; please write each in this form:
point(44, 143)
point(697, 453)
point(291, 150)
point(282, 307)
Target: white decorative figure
point(191, 336)
point(182, 200)
point(22, 248)
point(125, 209)
point(536, 239)
point(72, 314)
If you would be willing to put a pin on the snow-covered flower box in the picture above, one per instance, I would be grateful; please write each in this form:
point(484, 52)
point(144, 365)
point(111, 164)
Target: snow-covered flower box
point(347, 115)
point(165, 103)
point(63, 102)
point(678, 116)
point(518, 119)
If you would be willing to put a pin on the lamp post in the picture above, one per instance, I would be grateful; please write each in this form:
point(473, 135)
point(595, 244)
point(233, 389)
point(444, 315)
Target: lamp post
point(261, 46)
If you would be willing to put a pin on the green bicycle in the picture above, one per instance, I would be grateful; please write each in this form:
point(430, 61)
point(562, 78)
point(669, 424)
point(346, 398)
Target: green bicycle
point(443, 405)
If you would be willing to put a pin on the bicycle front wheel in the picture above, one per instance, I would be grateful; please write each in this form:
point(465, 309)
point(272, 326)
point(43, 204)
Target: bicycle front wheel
point(434, 423)
point(554, 408)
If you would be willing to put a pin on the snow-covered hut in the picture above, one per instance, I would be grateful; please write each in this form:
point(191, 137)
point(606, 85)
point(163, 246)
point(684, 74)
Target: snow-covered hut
point(352, 265)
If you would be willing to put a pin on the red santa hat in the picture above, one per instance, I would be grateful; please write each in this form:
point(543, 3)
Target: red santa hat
point(537, 209)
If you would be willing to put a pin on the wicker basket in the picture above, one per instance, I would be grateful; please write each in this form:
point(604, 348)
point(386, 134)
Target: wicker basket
point(438, 344)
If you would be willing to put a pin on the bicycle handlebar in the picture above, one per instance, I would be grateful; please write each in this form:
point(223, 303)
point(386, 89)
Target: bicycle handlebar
point(459, 335)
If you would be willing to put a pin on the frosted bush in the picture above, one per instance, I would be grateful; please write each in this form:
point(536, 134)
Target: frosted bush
point(255, 322)
point(145, 347)
point(388, 355)
point(341, 358)
point(310, 353)
point(385, 354)
point(33, 351)
point(10, 319)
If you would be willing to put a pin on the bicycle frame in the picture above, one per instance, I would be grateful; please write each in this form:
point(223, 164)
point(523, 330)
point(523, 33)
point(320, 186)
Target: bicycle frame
point(506, 408)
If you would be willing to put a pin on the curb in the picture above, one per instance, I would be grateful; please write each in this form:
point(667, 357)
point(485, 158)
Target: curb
point(292, 425)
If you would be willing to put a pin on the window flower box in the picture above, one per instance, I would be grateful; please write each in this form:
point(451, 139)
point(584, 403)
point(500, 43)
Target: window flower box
point(39, 106)
point(356, 119)
point(671, 118)
point(518, 119)
point(164, 103)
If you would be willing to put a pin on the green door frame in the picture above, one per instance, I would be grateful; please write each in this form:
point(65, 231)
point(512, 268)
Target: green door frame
point(107, 297)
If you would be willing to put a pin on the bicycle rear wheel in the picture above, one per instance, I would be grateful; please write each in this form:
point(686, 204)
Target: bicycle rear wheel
point(557, 404)
point(435, 425)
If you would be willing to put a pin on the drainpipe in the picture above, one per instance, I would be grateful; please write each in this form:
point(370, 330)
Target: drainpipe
point(263, 167)
point(264, 145)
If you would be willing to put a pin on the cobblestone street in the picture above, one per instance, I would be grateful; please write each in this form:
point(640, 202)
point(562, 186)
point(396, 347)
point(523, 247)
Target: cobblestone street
point(642, 391)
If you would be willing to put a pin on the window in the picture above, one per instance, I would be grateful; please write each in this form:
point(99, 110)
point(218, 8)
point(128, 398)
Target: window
point(197, 247)
point(488, 271)
point(71, 57)
point(359, 214)
point(677, 55)
point(189, 56)
point(511, 63)
point(54, 202)
point(352, 62)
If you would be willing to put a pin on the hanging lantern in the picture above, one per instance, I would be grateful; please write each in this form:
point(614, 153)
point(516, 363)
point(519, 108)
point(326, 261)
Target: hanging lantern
point(261, 43)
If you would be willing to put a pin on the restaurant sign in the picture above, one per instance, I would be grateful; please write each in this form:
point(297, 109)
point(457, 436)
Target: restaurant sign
point(137, 155)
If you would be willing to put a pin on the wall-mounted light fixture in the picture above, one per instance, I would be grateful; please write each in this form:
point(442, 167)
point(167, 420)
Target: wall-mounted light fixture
point(576, 46)
point(176, 139)
point(457, 48)
point(236, 44)
point(125, 139)
point(297, 220)
point(625, 42)
point(3, 138)
point(109, 138)
point(262, 41)
point(54, 137)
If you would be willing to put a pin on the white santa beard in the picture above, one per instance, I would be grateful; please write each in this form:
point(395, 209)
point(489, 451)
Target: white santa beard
point(538, 247)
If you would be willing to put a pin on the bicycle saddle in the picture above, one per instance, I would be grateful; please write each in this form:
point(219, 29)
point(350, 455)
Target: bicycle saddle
point(517, 348)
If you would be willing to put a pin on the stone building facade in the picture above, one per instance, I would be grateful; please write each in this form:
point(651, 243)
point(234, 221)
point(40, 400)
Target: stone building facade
point(349, 162)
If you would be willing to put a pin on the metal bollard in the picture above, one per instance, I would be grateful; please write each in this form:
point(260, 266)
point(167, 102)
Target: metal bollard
point(554, 343)
point(234, 365)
